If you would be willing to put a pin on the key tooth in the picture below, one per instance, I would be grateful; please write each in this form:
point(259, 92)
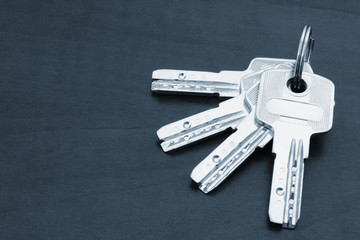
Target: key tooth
point(202, 125)
point(220, 164)
point(224, 83)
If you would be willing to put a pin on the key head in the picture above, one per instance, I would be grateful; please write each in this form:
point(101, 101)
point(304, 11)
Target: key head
point(278, 105)
point(250, 82)
point(259, 65)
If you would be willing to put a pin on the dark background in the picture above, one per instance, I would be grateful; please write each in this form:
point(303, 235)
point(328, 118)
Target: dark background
point(79, 153)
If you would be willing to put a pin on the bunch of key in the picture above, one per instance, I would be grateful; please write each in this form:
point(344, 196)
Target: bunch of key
point(278, 99)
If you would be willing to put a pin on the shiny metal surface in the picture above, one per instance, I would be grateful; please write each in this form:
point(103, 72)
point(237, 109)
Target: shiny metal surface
point(228, 115)
point(219, 164)
point(223, 84)
point(293, 119)
point(249, 135)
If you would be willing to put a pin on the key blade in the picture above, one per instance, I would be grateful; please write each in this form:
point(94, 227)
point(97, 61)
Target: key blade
point(202, 125)
point(286, 189)
point(224, 83)
point(294, 187)
point(214, 169)
point(235, 149)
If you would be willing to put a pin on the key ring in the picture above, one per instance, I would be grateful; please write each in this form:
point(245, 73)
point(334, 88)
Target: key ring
point(305, 48)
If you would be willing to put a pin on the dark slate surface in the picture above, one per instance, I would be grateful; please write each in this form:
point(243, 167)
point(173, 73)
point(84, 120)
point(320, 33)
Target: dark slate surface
point(79, 153)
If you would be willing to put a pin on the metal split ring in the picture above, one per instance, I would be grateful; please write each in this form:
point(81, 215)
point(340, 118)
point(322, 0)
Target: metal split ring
point(306, 45)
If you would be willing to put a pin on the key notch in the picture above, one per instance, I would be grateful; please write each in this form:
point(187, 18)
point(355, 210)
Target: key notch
point(182, 76)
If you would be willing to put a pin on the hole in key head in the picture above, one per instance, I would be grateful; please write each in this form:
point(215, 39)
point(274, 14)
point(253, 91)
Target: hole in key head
point(296, 85)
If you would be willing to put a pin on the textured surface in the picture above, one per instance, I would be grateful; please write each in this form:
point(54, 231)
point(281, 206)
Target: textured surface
point(79, 153)
point(316, 104)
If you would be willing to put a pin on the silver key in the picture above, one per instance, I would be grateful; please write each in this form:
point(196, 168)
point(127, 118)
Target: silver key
point(224, 83)
point(228, 115)
point(293, 118)
point(202, 125)
point(228, 156)
point(220, 163)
